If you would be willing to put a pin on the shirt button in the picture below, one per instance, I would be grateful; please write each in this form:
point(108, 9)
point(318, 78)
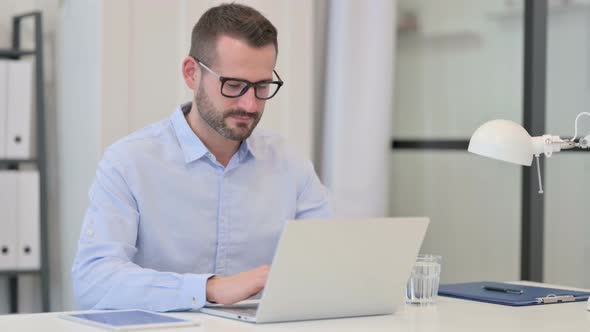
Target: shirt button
point(221, 261)
point(90, 232)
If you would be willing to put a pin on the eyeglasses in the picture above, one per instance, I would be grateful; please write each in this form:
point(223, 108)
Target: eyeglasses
point(235, 87)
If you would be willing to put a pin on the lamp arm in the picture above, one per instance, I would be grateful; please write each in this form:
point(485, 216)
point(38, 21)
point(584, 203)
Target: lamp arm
point(576, 125)
point(567, 144)
point(547, 144)
point(584, 142)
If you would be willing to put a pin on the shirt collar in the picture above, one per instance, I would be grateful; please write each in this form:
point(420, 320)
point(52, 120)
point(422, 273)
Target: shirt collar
point(191, 145)
point(246, 149)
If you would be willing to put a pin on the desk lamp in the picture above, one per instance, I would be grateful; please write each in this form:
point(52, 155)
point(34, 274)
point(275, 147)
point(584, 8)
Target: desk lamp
point(508, 141)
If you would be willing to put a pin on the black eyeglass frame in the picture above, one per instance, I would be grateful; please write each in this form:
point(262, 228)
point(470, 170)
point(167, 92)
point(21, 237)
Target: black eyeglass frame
point(249, 84)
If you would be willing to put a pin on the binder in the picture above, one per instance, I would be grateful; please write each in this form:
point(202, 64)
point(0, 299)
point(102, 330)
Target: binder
point(3, 106)
point(8, 221)
point(510, 294)
point(19, 110)
point(28, 244)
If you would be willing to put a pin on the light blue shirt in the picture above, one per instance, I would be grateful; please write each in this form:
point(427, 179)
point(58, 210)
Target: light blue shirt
point(164, 216)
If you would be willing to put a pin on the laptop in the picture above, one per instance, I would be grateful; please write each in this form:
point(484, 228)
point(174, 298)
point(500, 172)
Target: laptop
point(335, 268)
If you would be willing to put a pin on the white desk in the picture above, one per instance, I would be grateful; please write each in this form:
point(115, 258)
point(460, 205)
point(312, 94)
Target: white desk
point(448, 315)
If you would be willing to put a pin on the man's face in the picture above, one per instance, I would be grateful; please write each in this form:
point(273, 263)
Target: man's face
point(234, 118)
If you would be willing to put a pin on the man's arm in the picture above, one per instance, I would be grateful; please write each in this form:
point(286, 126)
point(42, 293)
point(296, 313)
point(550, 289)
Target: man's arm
point(105, 276)
point(238, 287)
point(313, 199)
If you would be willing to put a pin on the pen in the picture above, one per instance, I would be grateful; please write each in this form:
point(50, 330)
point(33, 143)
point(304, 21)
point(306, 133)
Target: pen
point(504, 290)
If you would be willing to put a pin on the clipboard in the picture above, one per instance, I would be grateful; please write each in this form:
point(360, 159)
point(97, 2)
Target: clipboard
point(513, 294)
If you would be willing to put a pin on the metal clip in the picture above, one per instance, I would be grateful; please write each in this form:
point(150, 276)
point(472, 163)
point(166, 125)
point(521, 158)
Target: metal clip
point(552, 298)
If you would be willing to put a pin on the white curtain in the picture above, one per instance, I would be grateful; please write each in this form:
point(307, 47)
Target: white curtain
point(357, 126)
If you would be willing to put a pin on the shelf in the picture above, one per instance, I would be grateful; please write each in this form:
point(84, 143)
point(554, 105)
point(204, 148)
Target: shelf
point(14, 54)
point(17, 161)
point(15, 51)
point(18, 272)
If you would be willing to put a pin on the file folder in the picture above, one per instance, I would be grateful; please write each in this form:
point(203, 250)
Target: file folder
point(28, 244)
point(3, 106)
point(19, 110)
point(513, 294)
point(8, 221)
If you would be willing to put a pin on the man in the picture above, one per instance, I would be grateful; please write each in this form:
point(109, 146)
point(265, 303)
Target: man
point(190, 209)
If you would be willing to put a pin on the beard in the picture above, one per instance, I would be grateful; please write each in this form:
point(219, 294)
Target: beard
point(216, 119)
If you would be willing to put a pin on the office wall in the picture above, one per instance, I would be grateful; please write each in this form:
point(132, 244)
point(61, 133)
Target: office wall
point(358, 102)
point(461, 67)
point(567, 228)
point(80, 83)
point(458, 67)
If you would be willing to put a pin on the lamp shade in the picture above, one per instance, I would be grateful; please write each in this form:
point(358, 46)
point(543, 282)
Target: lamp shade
point(503, 140)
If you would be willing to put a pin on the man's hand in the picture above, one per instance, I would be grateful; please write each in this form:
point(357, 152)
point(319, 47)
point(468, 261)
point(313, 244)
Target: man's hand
point(237, 287)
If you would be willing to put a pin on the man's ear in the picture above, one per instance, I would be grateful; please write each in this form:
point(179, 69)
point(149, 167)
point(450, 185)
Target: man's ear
point(191, 72)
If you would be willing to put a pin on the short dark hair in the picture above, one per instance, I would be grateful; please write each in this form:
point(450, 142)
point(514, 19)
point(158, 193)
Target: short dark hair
point(235, 20)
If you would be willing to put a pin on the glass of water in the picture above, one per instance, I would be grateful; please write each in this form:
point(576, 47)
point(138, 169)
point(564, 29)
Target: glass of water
point(422, 286)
